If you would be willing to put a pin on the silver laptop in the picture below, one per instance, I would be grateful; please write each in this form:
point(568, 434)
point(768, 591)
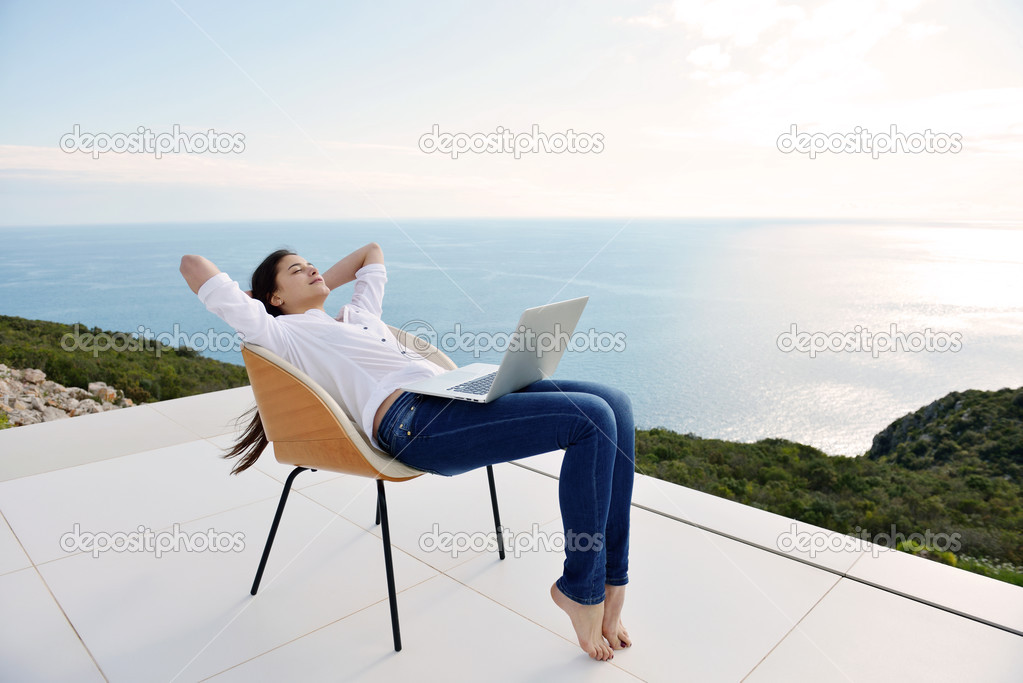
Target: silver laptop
point(534, 350)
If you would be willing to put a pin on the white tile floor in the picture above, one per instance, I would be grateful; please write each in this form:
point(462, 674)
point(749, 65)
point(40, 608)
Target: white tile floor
point(714, 594)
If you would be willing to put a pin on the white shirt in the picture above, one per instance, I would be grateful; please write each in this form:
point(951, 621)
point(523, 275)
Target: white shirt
point(354, 356)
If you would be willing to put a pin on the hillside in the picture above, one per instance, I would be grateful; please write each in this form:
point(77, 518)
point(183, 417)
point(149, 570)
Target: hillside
point(144, 370)
point(971, 432)
point(950, 471)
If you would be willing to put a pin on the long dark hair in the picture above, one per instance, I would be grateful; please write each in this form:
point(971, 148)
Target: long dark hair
point(252, 442)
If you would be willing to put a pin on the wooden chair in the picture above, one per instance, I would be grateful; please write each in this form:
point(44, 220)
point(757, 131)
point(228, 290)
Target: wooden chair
point(310, 430)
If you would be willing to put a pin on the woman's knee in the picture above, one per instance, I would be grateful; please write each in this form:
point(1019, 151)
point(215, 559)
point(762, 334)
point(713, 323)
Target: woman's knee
point(597, 414)
point(619, 402)
point(613, 395)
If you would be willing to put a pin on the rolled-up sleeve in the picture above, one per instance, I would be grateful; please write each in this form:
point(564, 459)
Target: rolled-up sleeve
point(224, 298)
point(369, 289)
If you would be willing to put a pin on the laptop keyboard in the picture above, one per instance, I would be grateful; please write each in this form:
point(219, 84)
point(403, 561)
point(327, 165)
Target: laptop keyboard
point(480, 385)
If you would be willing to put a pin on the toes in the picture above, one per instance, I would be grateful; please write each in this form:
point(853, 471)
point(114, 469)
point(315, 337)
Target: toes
point(617, 638)
point(599, 651)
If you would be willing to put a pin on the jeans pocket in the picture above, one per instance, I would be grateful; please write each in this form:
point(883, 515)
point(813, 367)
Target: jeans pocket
point(404, 425)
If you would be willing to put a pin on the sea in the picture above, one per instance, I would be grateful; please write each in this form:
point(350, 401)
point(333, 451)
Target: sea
point(821, 332)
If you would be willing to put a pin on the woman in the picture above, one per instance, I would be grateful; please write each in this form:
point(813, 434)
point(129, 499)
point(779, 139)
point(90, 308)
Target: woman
point(356, 358)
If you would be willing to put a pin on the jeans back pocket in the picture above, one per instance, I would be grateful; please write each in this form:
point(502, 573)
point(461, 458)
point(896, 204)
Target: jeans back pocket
point(404, 425)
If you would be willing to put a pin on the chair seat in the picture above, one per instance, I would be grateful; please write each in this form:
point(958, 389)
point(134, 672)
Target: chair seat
point(308, 427)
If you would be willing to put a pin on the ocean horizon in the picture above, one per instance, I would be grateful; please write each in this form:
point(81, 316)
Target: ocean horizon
point(737, 329)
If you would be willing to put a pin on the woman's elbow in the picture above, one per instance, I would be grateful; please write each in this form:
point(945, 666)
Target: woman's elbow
point(189, 262)
point(374, 253)
point(196, 270)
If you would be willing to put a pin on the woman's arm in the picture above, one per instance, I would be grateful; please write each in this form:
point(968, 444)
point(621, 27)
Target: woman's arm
point(224, 298)
point(196, 270)
point(343, 271)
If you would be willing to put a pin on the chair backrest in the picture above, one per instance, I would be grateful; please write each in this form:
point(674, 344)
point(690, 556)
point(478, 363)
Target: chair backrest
point(309, 428)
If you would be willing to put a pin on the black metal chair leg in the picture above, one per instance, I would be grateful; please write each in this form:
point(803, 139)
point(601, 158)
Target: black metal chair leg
point(497, 515)
point(386, 532)
point(381, 519)
point(273, 528)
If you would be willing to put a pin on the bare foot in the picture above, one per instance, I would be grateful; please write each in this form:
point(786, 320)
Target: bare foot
point(611, 625)
point(586, 620)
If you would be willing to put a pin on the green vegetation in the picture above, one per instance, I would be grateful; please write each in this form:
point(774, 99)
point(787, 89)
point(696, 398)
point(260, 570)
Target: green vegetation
point(1003, 571)
point(150, 371)
point(952, 471)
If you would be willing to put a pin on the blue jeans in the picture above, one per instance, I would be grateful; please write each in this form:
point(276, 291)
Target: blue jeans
point(590, 421)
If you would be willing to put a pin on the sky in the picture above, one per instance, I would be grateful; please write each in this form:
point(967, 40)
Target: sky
point(341, 110)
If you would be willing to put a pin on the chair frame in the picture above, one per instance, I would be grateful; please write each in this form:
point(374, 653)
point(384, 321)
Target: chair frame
point(358, 457)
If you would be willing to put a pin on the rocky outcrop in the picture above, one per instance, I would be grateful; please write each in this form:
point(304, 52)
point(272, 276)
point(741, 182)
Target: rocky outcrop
point(981, 429)
point(27, 397)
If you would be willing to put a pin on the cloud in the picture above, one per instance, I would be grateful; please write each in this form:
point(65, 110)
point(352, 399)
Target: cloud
point(821, 47)
point(50, 165)
point(773, 63)
point(918, 32)
point(742, 22)
point(709, 57)
point(652, 20)
point(371, 146)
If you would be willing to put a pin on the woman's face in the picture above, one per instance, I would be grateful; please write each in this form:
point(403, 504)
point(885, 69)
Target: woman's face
point(299, 286)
